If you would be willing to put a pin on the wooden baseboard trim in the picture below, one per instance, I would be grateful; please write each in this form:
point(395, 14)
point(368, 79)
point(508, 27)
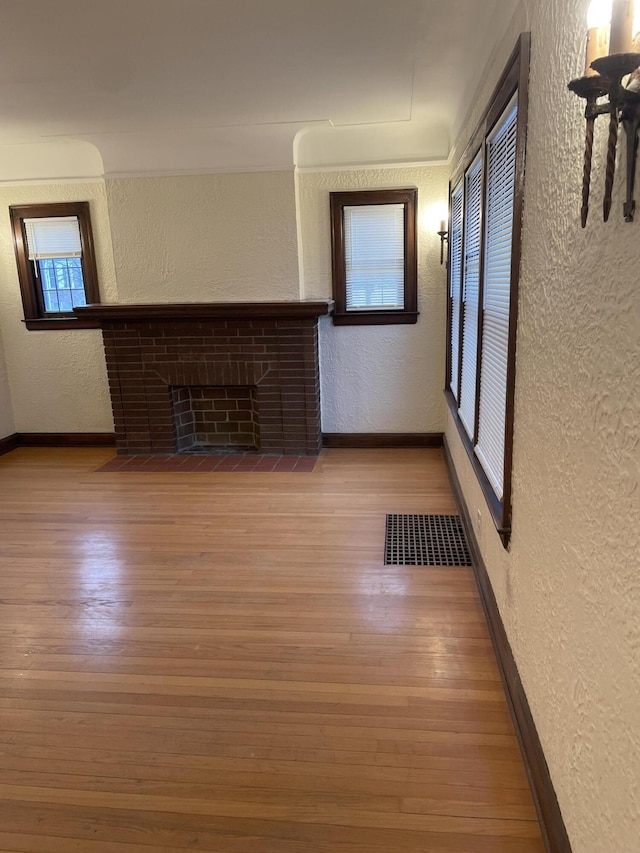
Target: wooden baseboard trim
point(382, 439)
point(65, 439)
point(552, 825)
point(8, 444)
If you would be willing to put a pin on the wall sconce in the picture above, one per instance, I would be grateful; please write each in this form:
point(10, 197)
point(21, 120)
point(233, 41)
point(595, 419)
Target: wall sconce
point(444, 235)
point(612, 55)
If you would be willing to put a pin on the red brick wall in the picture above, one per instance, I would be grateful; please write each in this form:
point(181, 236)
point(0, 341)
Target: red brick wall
point(157, 370)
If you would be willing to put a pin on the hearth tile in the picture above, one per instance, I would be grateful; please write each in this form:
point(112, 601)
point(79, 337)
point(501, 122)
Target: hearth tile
point(286, 463)
point(306, 463)
point(266, 463)
point(245, 463)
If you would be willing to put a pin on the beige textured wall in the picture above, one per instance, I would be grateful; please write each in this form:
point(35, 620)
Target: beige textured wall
point(569, 589)
point(231, 237)
point(58, 379)
point(7, 423)
point(378, 378)
point(223, 237)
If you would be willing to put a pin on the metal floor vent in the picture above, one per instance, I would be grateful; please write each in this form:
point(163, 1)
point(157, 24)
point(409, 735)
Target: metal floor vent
point(425, 540)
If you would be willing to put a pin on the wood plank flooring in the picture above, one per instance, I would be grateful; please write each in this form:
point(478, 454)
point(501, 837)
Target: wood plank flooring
point(221, 662)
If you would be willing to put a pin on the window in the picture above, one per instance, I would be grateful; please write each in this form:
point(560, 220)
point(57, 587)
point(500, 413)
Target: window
point(484, 257)
point(373, 239)
point(56, 264)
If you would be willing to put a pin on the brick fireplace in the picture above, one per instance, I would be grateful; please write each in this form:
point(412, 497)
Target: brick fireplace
point(213, 376)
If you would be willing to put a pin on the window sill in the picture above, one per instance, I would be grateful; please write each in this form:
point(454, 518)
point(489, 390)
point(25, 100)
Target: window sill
point(496, 507)
point(41, 324)
point(375, 318)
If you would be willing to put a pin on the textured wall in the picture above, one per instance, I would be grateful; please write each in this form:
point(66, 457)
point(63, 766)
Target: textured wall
point(569, 588)
point(209, 238)
point(7, 424)
point(378, 378)
point(232, 237)
point(58, 379)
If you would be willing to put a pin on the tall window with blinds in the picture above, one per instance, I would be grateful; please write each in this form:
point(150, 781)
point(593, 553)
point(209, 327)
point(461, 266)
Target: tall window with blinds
point(455, 289)
point(486, 202)
point(470, 294)
point(374, 260)
point(56, 264)
point(496, 298)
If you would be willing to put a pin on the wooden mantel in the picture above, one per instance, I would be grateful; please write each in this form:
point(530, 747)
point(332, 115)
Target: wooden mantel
point(206, 311)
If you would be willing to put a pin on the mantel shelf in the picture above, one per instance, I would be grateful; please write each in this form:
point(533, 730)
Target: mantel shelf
point(206, 310)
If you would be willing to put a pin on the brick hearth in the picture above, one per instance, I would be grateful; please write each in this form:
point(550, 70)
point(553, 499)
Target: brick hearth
point(184, 378)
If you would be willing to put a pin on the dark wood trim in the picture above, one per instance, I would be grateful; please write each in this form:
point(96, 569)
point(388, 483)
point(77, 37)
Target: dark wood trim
point(449, 309)
point(551, 823)
point(65, 439)
point(449, 301)
point(376, 318)
point(516, 70)
point(207, 310)
point(44, 324)
point(382, 439)
point(516, 254)
point(56, 439)
point(35, 317)
point(515, 78)
point(495, 506)
point(8, 444)
point(478, 159)
point(468, 155)
point(463, 246)
point(480, 318)
point(408, 314)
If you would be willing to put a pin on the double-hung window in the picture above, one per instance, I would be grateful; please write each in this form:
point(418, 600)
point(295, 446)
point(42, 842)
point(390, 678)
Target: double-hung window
point(56, 264)
point(374, 257)
point(469, 302)
point(485, 214)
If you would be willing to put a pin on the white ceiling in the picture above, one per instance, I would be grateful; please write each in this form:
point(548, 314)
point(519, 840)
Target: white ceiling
point(198, 85)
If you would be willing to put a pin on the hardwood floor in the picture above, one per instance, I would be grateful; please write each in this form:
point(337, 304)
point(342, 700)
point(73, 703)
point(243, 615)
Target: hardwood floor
point(221, 662)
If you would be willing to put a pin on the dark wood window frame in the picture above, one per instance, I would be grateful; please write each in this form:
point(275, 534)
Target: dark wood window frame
point(361, 317)
point(35, 317)
point(515, 79)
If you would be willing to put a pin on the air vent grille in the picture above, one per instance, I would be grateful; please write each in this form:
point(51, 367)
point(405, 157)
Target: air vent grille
point(425, 540)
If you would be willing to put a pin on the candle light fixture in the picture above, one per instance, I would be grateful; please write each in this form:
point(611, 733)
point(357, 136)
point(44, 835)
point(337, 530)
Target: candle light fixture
point(611, 86)
point(443, 233)
point(598, 18)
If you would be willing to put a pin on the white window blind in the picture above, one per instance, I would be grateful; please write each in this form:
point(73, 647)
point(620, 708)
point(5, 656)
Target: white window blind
point(455, 279)
point(53, 237)
point(374, 256)
point(470, 294)
point(501, 173)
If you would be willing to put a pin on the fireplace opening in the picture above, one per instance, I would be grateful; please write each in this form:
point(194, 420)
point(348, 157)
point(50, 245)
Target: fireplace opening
point(214, 418)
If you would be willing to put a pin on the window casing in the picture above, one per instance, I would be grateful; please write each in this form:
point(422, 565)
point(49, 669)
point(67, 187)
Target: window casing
point(374, 258)
point(486, 199)
point(56, 263)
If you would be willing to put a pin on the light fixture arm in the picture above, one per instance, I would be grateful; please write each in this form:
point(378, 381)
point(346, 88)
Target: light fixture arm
point(622, 105)
point(444, 235)
point(631, 123)
point(590, 88)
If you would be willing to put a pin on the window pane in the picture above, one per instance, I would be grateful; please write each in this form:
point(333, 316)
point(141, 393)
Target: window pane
point(62, 284)
point(470, 294)
point(374, 256)
point(501, 173)
point(455, 288)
